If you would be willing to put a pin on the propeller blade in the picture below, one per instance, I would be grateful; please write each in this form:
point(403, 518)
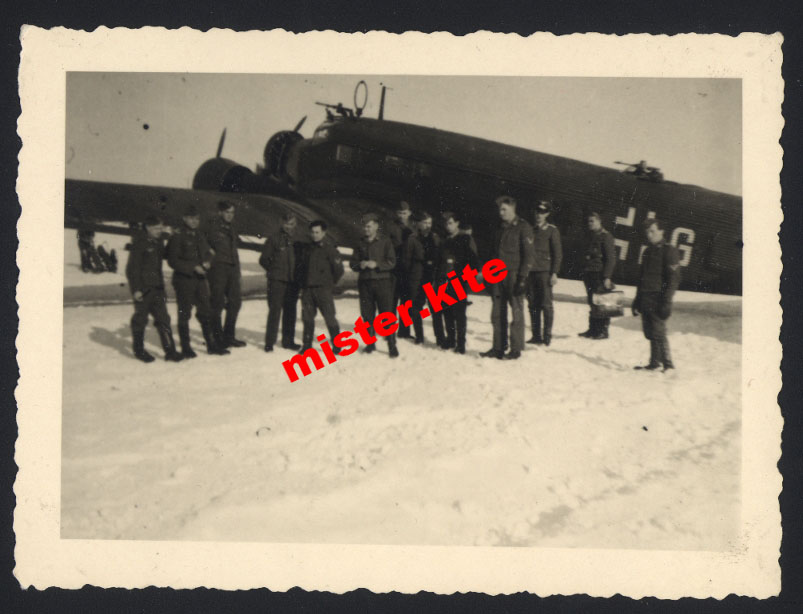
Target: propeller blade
point(299, 124)
point(220, 144)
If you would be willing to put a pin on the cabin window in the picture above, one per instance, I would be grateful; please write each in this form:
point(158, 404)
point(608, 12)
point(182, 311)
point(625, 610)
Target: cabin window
point(344, 154)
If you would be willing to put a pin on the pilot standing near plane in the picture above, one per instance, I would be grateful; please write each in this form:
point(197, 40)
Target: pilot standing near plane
point(279, 260)
point(144, 273)
point(421, 255)
point(224, 275)
point(600, 260)
point(399, 231)
point(513, 244)
point(659, 279)
point(547, 256)
point(320, 269)
point(457, 251)
point(190, 256)
point(374, 258)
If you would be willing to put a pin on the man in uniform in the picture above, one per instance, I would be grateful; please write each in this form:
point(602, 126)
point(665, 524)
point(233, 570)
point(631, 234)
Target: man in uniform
point(457, 251)
point(144, 273)
point(224, 275)
point(190, 256)
point(374, 258)
point(421, 255)
point(279, 260)
point(320, 269)
point(600, 260)
point(399, 230)
point(513, 244)
point(547, 256)
point(660, 275)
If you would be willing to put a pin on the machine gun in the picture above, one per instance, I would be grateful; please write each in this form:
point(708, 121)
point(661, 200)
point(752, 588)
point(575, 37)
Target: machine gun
point(346, 112)
point(640, 170)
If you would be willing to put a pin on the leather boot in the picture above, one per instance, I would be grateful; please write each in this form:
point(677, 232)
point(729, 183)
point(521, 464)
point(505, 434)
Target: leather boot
point(664, 354)
point(229, 340)
point(211, 346)
point(601, 329)
point(168, 345)
point(591, 329)
point(217, 331)
point(393, 351)
point(535, 325)
point(549, 316)
point(184, 338)
point(139, 346)
point(654, 360)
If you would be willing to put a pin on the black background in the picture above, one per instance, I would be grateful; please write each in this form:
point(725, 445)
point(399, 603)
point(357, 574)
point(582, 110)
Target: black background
point(523, 18)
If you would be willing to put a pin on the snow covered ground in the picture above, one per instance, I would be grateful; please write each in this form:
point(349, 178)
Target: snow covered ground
point(567, 447)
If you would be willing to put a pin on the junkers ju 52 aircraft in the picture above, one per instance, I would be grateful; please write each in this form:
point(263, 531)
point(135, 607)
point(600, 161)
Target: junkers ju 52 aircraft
point(353, 164)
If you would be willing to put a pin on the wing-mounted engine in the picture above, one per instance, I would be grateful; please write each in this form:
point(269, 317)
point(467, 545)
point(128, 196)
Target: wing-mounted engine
point(223, 175)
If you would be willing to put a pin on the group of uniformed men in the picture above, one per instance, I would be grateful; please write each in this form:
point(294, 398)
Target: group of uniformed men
point(393, 268)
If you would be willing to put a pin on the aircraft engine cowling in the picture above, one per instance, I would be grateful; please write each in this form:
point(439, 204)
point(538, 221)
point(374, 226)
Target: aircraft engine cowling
point(277, 152)
point(222, 175)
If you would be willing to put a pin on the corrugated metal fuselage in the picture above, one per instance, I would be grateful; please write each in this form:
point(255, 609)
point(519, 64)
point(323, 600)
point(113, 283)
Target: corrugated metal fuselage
point(385, 161)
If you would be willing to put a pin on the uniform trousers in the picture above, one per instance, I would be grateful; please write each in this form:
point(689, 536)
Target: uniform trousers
point(313, 300)
point(192, 291)
point(376, 296)
point(224, 286)
point(539, 291)
point(282, 299)
point(400, 295)
point(502, 297)
point(654, 327)
point(154, 302)
point(593, 281)
point(455, 317)
point(419, 300)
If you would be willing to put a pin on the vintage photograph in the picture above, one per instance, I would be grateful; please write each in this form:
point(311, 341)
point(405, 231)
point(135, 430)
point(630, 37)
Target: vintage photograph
point(296, 314)
point(221, 230)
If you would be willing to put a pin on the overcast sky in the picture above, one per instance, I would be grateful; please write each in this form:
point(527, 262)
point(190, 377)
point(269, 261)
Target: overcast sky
point(690, 128)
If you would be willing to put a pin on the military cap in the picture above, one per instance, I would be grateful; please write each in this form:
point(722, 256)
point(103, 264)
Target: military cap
point(543, 207)
point(191, 211)
point(225, 205)
point(421, 216)
point(152, 220)
point(369, 217)
point(404, 206)
point(505, 200)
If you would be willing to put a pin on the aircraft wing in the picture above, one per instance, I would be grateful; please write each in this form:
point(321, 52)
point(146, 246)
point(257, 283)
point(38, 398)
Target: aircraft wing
point(116, 207)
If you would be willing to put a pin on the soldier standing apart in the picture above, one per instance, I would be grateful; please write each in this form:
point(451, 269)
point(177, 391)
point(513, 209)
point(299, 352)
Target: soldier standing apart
point(399, 231)
point(190, 256)
point(144, 273)
point(660, 275)
point(513, 244)
point(600, 260)
point(458, 251)
point(374, 259)
point(421, 255)
point(321, 268)
point(279, 260)
point(547, 256)
point(224, 276)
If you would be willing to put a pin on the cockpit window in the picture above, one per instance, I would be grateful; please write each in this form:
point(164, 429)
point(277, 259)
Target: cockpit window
point(322, 133)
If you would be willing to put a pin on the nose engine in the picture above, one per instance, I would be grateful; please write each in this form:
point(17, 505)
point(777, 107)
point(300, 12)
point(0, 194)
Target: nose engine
point(277, 153)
